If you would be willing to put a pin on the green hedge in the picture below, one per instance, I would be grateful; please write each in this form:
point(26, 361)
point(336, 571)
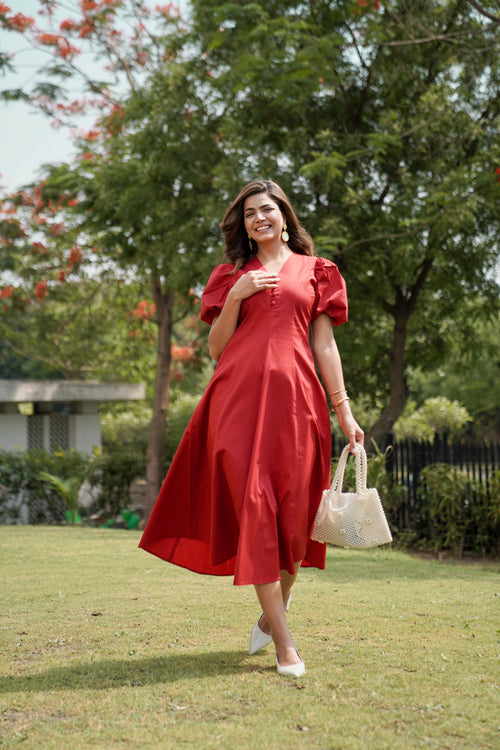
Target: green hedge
point(24, 497)
point(459, 514)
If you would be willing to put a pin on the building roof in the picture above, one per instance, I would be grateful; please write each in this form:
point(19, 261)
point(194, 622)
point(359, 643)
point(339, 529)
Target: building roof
point(19, 391)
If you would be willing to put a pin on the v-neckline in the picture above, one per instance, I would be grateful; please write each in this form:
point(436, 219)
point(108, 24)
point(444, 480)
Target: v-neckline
point(280, 268)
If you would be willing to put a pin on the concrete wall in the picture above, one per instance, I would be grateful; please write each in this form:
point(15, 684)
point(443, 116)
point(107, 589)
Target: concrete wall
point(85, 432)
point(13, 432)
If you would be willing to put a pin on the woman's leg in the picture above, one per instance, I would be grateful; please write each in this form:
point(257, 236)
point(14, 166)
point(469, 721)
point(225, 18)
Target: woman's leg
point(271, 601)
point(273, 598)
point(286, 583)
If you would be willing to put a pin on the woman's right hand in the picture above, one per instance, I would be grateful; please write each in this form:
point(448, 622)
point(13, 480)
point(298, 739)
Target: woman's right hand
point(226, 323)
point(252, 282)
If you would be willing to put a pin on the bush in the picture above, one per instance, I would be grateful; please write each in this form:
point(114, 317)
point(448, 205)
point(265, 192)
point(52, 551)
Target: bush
point(435, 416)
point(484, 530)
point(24, 496)
point(446, 494)
point(125, 433)
point(179, 413)
point(119, 464)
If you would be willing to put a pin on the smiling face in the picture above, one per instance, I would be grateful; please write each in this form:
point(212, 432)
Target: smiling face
point(263, 218)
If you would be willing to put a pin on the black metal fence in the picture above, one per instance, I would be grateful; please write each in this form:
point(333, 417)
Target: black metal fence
point(406, 458)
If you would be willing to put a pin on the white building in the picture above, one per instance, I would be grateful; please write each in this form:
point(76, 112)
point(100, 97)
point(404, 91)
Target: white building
point(65, 413)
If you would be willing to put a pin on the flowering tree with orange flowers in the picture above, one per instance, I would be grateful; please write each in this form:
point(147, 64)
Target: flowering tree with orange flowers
point(54, 290)
point(138, 189)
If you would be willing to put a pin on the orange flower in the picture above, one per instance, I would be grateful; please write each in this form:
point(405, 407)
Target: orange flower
point(6, 292)
point(75, 255)
point(144, 310)
point(38, 247)
point(41, 289)
point(182, 353)
point(86, 30)
point(67, 25)
point(20, 22)
point(92, 135)
point(66, 49)
point(88, 5)
point(47, 38)
point(168, 10)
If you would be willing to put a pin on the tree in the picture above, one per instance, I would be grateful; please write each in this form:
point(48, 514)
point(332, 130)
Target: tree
point(142, 190)
point(372, 119)
point(150, 202)
point(59, 290)
point(471, 374)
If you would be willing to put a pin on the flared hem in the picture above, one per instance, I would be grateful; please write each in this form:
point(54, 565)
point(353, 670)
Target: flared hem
point(193, 555)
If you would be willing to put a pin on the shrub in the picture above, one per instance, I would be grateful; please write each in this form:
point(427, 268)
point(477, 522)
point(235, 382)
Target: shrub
point(446, 494)
point(24, 496)
point(436, 415)
point(484, 531)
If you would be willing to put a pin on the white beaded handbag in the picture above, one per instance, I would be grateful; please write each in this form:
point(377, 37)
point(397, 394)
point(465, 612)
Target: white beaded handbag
point(351, 519)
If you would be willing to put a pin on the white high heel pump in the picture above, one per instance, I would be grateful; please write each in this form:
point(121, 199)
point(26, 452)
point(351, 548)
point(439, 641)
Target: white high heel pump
point(291, 670)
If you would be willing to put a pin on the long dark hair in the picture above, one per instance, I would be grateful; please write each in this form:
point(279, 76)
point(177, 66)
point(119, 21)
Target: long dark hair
point(237, 248)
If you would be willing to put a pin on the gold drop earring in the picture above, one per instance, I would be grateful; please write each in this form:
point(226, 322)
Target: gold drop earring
point(250, 243)
point(284, 234)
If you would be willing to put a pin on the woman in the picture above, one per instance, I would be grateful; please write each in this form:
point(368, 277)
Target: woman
point(243, 489)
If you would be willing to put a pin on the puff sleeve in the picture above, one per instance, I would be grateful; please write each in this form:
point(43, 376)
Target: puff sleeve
point(218, 285)
point(330, 292)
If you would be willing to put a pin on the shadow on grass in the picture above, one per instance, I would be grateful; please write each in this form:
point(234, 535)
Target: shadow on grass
point(117, 673)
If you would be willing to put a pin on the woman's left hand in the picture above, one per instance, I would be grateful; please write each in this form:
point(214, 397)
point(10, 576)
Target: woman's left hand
point(349, 426)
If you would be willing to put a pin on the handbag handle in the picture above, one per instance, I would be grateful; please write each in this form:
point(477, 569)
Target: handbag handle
point(361, 468)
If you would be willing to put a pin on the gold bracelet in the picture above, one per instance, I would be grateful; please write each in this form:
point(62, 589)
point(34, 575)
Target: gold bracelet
point(341, 401)
point(342, 390)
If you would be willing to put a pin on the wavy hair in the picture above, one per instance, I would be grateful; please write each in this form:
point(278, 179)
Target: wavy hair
point(237, 248)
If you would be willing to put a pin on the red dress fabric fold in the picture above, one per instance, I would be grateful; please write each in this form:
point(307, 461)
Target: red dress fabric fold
point(242, 492)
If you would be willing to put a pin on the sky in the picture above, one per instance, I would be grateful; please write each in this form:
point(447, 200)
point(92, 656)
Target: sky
point(27, 139)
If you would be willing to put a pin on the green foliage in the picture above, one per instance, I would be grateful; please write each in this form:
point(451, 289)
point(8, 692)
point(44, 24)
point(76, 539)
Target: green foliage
point(119, 465)
point(385, 147)
point(181, 409)
point(25, 496)
point(67, 489)
point(124, 429)
point(125, 437)
point(485, 513)
point(435, 416)
point(470, 373)
point(60, 331)
point(446, 490)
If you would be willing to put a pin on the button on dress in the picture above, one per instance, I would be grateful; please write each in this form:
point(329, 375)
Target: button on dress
point(242, 491)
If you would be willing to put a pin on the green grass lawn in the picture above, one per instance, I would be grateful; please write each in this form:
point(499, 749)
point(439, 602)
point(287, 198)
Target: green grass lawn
point(104, 646)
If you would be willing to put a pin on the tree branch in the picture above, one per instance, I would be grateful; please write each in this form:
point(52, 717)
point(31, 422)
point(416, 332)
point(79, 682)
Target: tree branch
point(483, 11)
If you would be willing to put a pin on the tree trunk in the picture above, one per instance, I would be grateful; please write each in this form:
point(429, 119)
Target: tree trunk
point(399, 387)
point(156, 440)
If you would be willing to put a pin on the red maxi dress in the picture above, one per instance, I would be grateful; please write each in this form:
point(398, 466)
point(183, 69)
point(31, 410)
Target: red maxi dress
point(242, 492)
